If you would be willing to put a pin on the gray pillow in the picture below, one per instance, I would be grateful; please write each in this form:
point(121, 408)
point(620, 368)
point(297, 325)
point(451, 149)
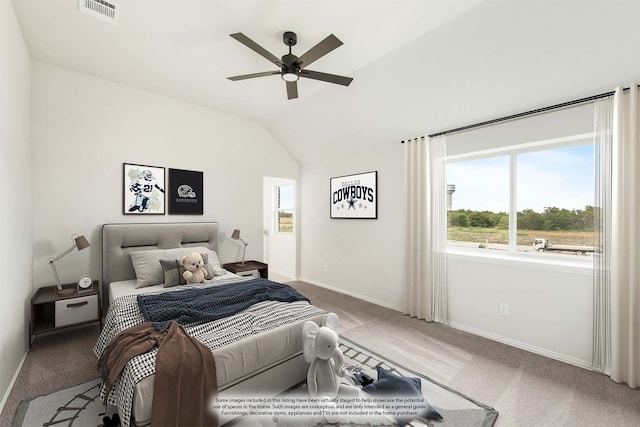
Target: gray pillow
point(172, 272)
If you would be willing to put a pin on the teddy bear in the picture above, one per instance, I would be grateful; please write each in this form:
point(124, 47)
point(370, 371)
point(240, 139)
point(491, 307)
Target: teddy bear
point(193, 264)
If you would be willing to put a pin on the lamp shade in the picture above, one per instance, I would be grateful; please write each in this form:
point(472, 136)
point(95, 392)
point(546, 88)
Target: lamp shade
point(82, 242)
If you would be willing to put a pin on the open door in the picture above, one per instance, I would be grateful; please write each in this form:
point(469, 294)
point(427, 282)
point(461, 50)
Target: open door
point(279, 223)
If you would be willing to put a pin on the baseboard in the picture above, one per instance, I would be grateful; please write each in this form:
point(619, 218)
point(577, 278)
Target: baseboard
point(524, 346)
point(13, 381)
point(277, 276)
point(508, 341)
point(352, 294)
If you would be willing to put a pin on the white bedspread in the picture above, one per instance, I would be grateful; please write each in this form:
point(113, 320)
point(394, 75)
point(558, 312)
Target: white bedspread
point(222, 336)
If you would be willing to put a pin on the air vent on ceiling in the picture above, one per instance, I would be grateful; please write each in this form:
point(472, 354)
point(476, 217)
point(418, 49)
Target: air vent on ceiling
point(105, 10)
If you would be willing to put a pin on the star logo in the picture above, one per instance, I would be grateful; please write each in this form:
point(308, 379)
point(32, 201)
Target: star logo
point(352, 203)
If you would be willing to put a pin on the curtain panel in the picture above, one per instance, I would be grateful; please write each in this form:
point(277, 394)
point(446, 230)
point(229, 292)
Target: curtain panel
point(425, 266)
point(625, 239)
point(603, 119)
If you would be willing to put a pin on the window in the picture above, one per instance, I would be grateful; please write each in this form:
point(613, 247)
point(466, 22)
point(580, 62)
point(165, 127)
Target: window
point(284, 208)
point(478, 192)
point(533, 197)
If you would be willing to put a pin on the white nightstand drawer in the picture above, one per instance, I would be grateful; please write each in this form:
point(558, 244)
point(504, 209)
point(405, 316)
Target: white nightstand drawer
point(76, 310)
point(252, 273)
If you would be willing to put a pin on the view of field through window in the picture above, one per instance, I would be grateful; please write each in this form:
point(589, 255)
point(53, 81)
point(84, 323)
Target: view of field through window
point(284, 208)
point(553, 201)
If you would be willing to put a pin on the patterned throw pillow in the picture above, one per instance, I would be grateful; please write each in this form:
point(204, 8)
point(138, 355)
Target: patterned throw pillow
point(172, 273)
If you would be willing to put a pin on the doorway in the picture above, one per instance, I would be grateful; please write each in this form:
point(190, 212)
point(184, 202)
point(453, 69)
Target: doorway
point(280, 228)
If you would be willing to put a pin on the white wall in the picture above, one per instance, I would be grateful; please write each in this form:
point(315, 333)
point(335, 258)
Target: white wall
point(15, 210)
point(361, 257)
point(475, 68)
point(85, 128)
point(550, 307)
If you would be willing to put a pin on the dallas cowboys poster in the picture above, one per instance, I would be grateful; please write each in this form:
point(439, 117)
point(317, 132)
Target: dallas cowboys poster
point(354, 196)
point(143, 190)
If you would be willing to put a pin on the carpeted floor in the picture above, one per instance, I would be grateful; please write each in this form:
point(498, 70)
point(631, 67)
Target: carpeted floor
point(79, 405)
point(526, 389)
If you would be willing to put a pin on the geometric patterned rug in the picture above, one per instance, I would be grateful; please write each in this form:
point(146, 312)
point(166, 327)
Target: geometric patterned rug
point(77, 405)
point(457, 410)
point(80, 406)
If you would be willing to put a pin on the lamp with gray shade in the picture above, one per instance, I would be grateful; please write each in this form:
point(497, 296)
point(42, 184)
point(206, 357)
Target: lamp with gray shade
point(236, 236)
point(79, 242)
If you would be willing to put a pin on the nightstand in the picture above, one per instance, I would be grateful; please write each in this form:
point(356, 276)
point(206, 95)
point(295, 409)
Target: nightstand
point(51, 311)
point(247, 268)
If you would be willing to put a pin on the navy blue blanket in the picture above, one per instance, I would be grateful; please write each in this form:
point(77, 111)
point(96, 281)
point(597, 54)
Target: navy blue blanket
point(211, 303)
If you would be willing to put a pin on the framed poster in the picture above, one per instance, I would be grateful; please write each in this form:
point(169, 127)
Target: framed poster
point(143, 190)
point(354, 196)
point(185, 192)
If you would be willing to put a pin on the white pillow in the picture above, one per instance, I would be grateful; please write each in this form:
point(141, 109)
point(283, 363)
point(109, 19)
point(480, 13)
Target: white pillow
point(212, 264)
point(147, 263)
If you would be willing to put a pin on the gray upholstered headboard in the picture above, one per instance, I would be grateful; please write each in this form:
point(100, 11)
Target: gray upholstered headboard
point(120, 239)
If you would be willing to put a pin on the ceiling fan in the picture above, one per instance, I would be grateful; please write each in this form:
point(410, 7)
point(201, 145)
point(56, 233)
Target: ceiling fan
point(291, 66)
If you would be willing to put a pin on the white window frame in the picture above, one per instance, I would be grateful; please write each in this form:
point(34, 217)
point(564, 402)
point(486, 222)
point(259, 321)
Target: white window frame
point(512, 151)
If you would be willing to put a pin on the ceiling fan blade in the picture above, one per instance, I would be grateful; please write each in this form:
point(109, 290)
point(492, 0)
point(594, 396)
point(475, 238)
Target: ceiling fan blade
point(331, 78)
point(251, 76)
point(319, 50)
point(292, 90)
point(257, 48)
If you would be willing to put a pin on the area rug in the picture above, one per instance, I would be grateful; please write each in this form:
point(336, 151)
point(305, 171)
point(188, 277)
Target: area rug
point(456, 409)
point(79, 405)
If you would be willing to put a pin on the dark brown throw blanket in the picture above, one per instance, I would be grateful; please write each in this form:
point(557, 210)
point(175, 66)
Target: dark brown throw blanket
point(185, 383)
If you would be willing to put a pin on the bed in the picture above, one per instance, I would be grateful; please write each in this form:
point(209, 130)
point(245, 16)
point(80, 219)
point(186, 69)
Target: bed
point(258, 350)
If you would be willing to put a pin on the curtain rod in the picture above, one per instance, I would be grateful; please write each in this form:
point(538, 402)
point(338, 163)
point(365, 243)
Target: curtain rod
point(526, 113)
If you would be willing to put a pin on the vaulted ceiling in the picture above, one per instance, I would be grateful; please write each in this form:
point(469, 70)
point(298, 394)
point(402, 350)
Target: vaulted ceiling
point(419, 66)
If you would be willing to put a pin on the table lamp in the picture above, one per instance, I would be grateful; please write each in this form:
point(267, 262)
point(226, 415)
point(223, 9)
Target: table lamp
point(79, 242)
point(236, 236)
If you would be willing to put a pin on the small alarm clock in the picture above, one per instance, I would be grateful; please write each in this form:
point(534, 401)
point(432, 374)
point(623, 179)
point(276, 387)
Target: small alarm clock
point(85, 284)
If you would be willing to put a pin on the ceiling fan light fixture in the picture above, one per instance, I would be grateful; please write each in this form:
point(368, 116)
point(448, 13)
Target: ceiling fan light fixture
point(291, 67)
point(290, 76)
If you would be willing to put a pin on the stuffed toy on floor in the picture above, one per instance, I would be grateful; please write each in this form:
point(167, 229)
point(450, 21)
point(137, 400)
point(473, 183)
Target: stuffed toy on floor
point(321, 350)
